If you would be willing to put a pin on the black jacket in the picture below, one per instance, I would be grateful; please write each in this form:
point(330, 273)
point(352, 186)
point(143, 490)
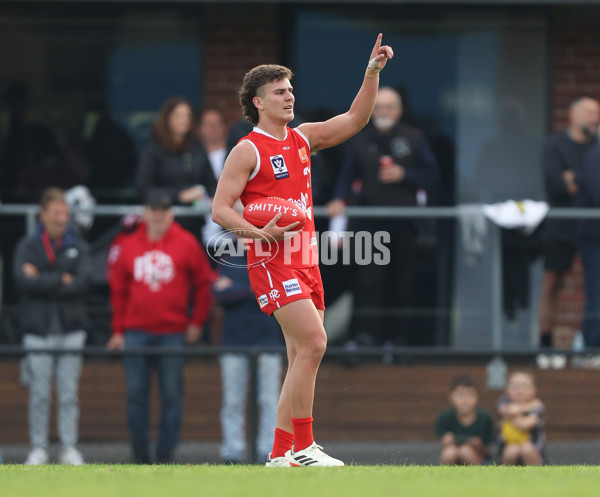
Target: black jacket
point(588, 195)
point(407, 146)
point(560, 154)
point(41, 295)
point(174, 172)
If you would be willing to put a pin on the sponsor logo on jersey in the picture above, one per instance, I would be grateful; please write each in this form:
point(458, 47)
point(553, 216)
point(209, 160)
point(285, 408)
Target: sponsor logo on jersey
point(274, 294)
point(303, 203)
point(270, 207)
point(303, 155)
point(262, 300)
point(155, 268)
point(279, 167)
point(292, 287)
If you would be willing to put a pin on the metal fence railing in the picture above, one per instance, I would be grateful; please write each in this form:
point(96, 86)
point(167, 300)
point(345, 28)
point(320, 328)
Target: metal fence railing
point(29, 213)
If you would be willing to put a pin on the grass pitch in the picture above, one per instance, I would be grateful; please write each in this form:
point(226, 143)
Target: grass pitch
point(249, 481)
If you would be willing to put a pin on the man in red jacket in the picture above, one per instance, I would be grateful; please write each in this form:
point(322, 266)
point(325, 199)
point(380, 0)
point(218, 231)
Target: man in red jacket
point(153, 274)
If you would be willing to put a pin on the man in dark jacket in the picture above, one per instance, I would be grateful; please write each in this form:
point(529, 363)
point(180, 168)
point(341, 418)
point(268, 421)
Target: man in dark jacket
point(52, 273)
point(562, 158)
point(588, 243)
point(386, 164)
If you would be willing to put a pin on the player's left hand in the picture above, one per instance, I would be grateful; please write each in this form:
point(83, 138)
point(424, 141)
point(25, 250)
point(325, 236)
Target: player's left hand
point(379, 56)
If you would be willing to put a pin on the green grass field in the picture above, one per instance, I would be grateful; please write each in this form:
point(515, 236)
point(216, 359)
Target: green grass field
point(250, 481)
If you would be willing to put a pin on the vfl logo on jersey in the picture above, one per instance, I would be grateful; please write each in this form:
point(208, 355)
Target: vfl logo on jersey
point(263, 300)
point(303, 155)
point(279, 167)
point(292, 287)
point(155, 268)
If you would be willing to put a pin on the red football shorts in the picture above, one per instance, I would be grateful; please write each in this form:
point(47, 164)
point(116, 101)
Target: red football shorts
point(278, 285)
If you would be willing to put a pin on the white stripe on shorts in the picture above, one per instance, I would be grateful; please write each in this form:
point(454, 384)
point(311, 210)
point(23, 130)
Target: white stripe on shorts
point(268, 274)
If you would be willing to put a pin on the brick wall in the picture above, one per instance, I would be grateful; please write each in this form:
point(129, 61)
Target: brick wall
point(236, 38)
point(575, 56)
point(575, 60)
point(371, 402)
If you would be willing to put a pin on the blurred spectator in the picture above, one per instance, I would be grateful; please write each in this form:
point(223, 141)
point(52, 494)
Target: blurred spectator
point(239, 129)
point(212, 133)
point(588, 242)
point(246, 326)
point(386, 164)
point(52, 270)
point(175, 160)
point(521, 420)
point(110, 151)
point(562, 158)
point(153, 272)
point(31, 159)
point(465, 430)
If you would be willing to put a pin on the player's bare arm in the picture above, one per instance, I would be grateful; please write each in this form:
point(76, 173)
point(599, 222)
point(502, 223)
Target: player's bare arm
point(237, 169)
point(339, 128)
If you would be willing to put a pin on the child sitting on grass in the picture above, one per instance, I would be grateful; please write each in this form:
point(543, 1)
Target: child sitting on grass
point(465, 430)
point(521, 438)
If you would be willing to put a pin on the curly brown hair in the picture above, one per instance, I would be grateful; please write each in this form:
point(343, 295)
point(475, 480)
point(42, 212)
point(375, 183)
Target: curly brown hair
point(253, 81)
point(161, 131)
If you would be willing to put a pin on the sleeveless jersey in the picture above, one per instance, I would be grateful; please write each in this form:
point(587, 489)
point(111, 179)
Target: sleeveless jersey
point(283, 170)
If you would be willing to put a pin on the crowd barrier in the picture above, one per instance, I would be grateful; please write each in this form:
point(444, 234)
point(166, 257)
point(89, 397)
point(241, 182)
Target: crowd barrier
point(29, 213)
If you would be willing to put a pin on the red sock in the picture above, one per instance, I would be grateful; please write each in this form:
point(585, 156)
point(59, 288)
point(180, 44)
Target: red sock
point(282, 443)
point(303, 434)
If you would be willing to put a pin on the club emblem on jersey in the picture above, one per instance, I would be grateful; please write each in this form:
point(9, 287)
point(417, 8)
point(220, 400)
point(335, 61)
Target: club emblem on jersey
point(279, 167)
point(303, 155)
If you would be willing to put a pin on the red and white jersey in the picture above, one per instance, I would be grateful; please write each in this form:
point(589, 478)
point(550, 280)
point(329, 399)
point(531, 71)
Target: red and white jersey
point(283, 170)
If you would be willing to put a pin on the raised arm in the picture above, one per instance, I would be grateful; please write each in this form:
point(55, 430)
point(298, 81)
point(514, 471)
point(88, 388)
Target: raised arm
point(339, 128)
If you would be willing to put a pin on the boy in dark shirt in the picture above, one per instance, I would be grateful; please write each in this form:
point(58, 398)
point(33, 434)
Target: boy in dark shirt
point(465, 430)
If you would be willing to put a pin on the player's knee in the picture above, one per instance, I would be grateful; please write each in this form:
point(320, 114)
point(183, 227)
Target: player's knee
point(314, 346)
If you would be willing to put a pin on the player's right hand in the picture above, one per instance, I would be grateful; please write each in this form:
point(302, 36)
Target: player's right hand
point(274, 232)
